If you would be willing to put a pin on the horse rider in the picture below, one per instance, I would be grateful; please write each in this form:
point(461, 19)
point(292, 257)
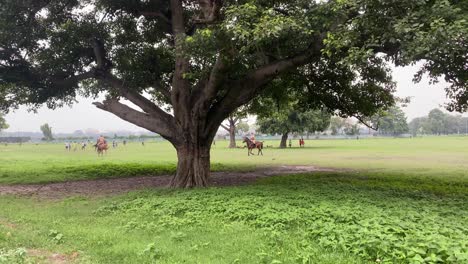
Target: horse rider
point(101, 141)
point(252, 138)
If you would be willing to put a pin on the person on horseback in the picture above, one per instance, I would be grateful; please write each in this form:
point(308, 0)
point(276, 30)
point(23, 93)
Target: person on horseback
point(252, 138)
point(252, 144)
point(101, 140)
point(101, 145)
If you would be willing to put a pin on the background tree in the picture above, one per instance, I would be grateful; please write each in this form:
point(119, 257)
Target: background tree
point(391, 121)
point(47, 132)
point(292, 120)
point(336, 125)
point(438, 122)
point(351, 128)
point(3, 123)
point(416, 125)
point(188, 65)
point(232, 121)
point(242, 128)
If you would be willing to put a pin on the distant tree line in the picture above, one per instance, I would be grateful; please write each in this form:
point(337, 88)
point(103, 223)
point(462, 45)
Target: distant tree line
point(439, 123)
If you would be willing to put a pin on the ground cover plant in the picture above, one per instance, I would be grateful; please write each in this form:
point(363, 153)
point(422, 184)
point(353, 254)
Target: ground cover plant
point(404, 201)
point(318, 218)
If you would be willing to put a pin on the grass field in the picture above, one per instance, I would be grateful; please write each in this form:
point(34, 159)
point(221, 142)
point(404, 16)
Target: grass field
point(404, 201)
point(433, 156)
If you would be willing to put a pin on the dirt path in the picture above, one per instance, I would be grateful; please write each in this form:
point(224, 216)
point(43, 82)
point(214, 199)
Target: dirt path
point(122, 185)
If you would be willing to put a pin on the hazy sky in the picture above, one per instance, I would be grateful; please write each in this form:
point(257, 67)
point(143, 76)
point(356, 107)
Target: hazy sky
point(83, 115)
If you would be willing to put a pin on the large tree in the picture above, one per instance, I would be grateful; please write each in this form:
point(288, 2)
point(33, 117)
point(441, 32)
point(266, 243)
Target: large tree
point(232, 121)
point(188, 65)
point(292, 120)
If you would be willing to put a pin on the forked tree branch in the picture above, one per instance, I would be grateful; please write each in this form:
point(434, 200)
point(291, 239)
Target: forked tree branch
point(138, 118)
point(144, 103)
point(242, 91)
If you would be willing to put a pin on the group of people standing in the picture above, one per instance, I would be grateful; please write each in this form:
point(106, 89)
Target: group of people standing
point(74, 145)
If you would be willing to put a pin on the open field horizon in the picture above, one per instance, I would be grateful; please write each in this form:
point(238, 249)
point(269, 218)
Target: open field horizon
point(31, 163)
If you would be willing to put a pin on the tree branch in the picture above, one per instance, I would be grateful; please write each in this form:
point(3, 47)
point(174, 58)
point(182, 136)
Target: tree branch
point(180, 86)
point(159, 14)
point(210, 11)
point(144, 103)
point(242, 91)
point(140, 119)
point(163, 90)
point(225, 127)
point(100, 55)
point(73, 80)
point(208, 89)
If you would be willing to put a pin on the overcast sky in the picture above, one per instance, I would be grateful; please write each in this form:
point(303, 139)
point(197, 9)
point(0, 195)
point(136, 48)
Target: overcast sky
point(84, 115)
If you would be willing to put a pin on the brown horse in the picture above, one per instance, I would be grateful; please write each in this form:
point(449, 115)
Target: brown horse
point(101, 148)
point(251, 145)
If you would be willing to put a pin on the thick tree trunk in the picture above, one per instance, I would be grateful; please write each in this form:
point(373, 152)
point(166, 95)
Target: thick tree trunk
point(193, 167)
point(232, 137)
point(232, 131)
point(284, 139)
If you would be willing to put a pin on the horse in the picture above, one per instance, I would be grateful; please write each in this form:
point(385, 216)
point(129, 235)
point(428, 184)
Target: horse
point(251, 145)
point(101, 148)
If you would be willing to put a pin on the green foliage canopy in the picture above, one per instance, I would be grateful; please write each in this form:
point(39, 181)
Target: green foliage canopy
point(291, 120)
point(391, 122)
point(47, 48)
point(438, 122)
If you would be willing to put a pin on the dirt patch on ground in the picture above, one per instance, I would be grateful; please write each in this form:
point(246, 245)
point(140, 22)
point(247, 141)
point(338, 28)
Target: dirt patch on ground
point(6, 223)
point(44, 256)
point(116, 186)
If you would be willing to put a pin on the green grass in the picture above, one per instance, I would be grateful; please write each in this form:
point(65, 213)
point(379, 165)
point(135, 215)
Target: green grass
point(404, 202)
point(446, 156)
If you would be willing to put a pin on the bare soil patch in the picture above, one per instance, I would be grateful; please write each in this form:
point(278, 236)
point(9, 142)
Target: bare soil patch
point(122, 185)
point(44, 256)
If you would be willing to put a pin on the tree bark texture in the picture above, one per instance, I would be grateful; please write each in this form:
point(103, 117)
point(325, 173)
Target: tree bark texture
point(231, 128)
point(232, 138)
point(284, 139)
point(193, 166)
